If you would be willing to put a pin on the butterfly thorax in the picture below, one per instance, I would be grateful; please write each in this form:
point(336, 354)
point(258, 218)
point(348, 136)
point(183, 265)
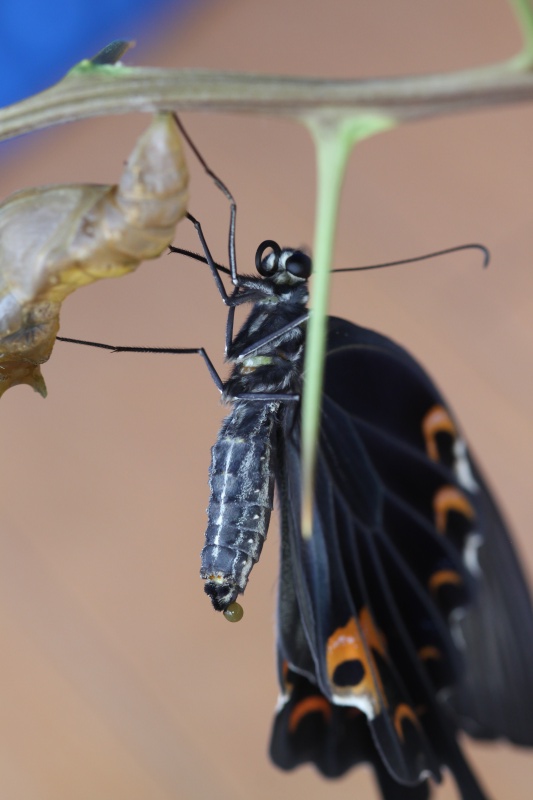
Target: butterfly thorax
point(275, 366)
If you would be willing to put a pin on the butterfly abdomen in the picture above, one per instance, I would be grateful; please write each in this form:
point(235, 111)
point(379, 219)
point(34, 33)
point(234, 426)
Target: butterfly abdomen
point(241, 479)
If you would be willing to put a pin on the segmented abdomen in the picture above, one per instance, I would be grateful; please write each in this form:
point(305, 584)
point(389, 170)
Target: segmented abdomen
point(241, 478)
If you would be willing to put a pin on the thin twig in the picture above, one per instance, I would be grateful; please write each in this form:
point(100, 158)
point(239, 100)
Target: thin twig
point(100, 91)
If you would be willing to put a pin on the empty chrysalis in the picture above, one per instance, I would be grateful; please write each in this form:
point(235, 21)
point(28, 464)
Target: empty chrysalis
point(54, 239)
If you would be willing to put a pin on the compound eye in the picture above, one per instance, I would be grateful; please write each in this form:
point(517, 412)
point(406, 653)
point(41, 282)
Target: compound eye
point(299, 264)
point(267, 265)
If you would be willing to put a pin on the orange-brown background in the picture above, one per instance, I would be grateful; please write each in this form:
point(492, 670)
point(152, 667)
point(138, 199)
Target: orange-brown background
point(117, 681)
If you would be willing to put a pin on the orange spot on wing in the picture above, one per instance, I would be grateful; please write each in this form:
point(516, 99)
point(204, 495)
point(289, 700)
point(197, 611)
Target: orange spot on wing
point(436, 421)
point(310, 705)
point(288, 685)
point(443, 577)
point(345, 644)
point(373, 636)
point(403, 711)
point(429, 652)
point(351, 643)
point(447, 499)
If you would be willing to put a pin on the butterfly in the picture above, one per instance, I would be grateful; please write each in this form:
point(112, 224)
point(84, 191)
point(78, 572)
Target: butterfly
point(404, 618)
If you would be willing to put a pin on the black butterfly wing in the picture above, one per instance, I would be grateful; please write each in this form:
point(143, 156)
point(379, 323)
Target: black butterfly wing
point(366, 605)
point(366, 657)
point(309, 728)
point(494, 697)
point(339, 670)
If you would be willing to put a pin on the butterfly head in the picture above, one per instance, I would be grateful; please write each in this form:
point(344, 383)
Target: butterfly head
point(283, 266)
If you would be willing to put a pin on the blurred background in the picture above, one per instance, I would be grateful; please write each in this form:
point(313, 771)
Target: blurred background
point(117, 680)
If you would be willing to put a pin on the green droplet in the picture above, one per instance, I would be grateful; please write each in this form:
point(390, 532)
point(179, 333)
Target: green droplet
point(234, 612)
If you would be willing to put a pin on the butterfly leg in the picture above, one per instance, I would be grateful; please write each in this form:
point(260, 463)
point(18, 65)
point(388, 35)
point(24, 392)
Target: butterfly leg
point(227, 194)
point(246, 351)
point(217, 380)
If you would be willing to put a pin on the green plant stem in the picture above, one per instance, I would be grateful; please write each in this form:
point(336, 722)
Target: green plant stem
point(334, 139)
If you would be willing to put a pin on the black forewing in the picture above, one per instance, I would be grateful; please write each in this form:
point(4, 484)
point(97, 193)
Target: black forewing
point(495, 695)
point(382, 571)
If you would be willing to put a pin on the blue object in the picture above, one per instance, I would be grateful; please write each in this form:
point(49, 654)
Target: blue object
point(40, 40)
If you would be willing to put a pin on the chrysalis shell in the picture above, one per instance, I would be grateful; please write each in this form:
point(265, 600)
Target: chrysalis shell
point(54, 239)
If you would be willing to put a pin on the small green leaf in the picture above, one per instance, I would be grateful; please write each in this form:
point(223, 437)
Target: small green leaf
point(105, 59)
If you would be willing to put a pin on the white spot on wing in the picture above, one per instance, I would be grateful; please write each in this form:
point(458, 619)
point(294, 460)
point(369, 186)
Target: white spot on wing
point(470, 553)
point(282, 700)
point(462, 467)
point(362, 702)
point(457, 634)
